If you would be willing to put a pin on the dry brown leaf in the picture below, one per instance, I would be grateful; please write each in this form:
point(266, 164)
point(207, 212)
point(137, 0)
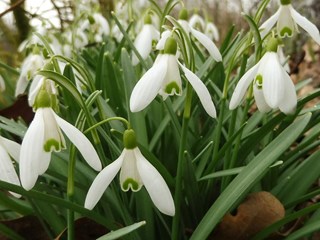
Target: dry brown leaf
point(258, 211)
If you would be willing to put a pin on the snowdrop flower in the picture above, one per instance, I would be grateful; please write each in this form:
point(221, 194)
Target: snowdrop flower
point(201, 37)
point(9, 149)
point(272, 86)
point(164, 78)
point(135, 172)
point(44, 135)
point(196, 21)
point(97, 25)
point(29, 66)
point(212, 31)
point(287, 19)
point(143, 41)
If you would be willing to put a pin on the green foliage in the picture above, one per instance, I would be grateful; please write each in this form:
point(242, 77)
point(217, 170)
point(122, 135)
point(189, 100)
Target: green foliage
point(210, 165)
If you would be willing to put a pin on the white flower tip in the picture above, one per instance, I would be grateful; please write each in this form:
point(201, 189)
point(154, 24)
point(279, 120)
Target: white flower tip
point(233, 105)
point(97, 166)
point(89, 204)
point(27, 185)
point(16, 195)
point(135, 107)
point(170, 210)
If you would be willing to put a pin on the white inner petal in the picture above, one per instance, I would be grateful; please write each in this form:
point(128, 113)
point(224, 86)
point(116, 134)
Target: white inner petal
point(129, 175)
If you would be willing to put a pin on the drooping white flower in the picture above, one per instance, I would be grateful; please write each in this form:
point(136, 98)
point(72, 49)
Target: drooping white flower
point(203, 39)
point(287, 19)
point(29, 66)
point(144, 39)
point(208, 28)
point(196, 21)
point(211, 31)
point(272, 86)
point(44, 135)
point(96, 25)
point(9, 149)
point(135, 172)
point(164, 78)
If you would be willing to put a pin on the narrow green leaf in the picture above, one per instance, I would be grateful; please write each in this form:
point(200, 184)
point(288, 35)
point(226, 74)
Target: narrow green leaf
point(298, 182)
point(121, 232)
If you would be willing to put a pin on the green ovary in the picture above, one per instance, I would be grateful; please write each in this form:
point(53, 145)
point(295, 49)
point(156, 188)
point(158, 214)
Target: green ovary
point(286, 32)
point(130, 183)
point(52, 145)
point(285, 2)
point(172, 87)
point(258, 81)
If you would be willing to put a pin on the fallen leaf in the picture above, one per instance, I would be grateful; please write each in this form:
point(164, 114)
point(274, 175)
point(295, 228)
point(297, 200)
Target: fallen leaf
point(258, 211)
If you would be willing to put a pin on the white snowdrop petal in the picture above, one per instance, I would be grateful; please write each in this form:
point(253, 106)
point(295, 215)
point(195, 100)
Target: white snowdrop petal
point(148, 86)
point(81, 142)
point(11, 147)
point(242, 87)
point(7, 171)
point(163, 39)
point(143, 44)
point(208, 44)
point(260, 101)
point(101, 182)
point(201, 91)
point(32, 151)
point(288, 103)
point(286, 25)
point(129, 175)
point(155, 185)
point(268, 24)
point(272, 85)
point(212, 31)
point(304, 23)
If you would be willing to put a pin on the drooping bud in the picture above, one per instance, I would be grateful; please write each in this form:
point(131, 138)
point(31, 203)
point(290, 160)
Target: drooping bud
point(129, 139)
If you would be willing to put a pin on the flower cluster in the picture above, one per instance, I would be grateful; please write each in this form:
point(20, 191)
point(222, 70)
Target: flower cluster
point(172, 61)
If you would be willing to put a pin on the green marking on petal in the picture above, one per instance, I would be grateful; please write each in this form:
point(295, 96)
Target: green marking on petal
point(172, 87)
point(130, 183)
point(285, 2)
point(286, 31)
point(258, 81)
point(52, 145)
